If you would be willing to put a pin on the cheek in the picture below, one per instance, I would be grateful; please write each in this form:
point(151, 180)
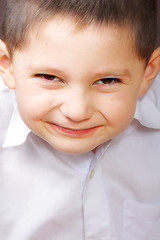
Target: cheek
point(119, 112)
point(34, 105)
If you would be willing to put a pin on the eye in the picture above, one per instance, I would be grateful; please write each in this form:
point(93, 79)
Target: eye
point(108, 81)
point(48, 77)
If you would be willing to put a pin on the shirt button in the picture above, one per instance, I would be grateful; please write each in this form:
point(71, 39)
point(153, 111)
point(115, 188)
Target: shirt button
point(92, 174)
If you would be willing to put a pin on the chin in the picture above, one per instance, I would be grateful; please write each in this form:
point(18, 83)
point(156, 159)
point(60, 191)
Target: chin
point(73, 149)
point(72, 146)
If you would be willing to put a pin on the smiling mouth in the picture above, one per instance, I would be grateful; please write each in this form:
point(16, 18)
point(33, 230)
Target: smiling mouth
point(73, 131)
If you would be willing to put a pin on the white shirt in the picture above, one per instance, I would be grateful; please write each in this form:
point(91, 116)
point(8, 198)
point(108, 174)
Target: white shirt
point(111, 195)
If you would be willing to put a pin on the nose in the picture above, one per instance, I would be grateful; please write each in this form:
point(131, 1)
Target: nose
point(77, 106)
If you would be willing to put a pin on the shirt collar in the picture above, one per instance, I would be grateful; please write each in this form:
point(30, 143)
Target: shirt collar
point(17, 131)
point(148, 107)
point(147, 113)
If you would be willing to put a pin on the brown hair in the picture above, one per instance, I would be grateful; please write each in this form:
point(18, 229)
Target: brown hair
point(139, 15)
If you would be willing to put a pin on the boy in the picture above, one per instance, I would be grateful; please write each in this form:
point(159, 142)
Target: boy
point(84, 161)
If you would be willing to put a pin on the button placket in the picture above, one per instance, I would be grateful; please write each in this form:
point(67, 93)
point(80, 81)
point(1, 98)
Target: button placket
point(96, 214)
point(92, 173)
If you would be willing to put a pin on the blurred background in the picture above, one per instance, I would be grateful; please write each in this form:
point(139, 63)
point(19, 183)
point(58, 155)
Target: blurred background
point(158, 39)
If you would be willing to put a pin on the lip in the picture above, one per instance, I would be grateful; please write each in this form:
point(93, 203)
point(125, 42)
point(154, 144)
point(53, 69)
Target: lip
point(72, 131)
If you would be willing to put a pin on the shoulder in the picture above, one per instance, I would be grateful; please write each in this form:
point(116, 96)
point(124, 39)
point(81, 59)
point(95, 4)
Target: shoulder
point(6, 109)
point(6, 102)
point(148, 107)
point(154, 92)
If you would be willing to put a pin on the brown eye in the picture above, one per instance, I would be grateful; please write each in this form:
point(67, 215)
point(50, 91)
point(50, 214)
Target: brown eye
point(47, 77)
point(108, 81)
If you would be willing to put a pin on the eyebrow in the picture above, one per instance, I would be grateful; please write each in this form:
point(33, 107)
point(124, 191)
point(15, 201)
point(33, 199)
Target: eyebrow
point(114, 72)
point(47, 70)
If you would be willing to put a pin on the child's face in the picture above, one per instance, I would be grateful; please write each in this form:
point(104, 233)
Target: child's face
point(77, 89)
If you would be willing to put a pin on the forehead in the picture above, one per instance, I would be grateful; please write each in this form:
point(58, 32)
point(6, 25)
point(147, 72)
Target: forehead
point(69, 26)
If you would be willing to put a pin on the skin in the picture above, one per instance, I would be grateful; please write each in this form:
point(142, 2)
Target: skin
point(77, 89)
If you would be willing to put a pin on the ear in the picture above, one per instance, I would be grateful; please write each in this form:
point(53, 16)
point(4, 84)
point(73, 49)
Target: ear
point(151, 71)
point(6, 66)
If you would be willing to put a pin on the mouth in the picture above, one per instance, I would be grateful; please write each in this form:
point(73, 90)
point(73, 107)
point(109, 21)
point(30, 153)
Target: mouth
point(73, 131)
